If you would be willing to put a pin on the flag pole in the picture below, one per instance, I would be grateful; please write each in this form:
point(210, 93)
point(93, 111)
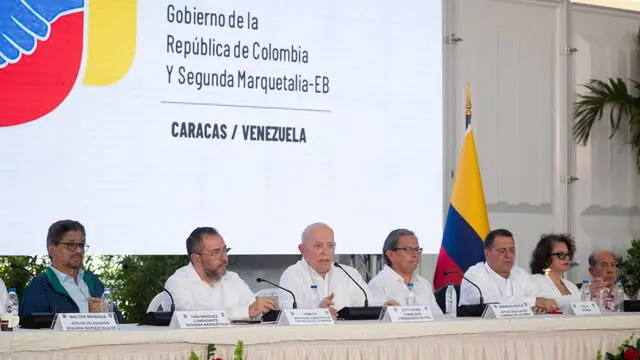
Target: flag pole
point(468, 106)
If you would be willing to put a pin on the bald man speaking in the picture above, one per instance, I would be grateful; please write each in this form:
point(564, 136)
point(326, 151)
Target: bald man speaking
point(334, 288)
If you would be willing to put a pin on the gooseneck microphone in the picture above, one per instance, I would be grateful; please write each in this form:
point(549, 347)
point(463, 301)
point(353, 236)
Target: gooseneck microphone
point(32, 276)
point(127, 266)
point(295, 304)
point(366, 299)
point(470, 282)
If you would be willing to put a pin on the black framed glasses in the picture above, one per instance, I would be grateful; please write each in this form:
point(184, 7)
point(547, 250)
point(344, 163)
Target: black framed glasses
point(73, 246)
point(562, 255)
point(217, 252)
point(410, 250)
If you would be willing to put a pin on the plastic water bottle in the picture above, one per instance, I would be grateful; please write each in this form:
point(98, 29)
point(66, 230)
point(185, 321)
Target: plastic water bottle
point(451, 301)
point(315, 297)
point(411, 298)
point(12, 302)
point(585, 291)
point(107, 300)
point(618, 296)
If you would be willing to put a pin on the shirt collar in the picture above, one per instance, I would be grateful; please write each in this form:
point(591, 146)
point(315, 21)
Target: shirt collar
point(391, 274)
point(493, 273)
point(62, 277)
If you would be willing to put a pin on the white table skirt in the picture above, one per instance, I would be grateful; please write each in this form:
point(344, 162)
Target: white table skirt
point(543, 337)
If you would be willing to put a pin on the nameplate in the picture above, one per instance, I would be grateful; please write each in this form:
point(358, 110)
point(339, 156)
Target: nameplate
point(400, 314)
point(584, 308)
point(297, 317)
point(85, 322)
point(199, 319)
point(507, 311)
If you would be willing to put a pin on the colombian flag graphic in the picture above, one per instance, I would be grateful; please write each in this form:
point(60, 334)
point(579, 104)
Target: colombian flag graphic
point(42, 48)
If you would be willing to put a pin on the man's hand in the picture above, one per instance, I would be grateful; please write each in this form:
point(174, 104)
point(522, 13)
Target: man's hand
point(328, 303)
point(261, 306)
point(596, 285)
point(545, 305)
point(391, 303)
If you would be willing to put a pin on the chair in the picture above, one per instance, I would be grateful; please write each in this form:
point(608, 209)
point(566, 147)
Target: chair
point(156, 303)
point(441, 297)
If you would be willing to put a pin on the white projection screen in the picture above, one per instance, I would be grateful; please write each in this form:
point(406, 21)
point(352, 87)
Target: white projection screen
point(145, 119)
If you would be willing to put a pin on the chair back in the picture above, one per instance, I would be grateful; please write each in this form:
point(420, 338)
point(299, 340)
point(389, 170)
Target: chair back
point(156, 303)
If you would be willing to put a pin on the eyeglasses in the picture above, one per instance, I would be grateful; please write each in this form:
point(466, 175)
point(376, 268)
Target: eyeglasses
point(217, 252)
point(410, 250)
point(73, 246)
point(563, 255)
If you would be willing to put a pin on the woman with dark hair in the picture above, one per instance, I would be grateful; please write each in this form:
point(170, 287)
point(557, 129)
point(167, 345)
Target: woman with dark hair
point(549, 261)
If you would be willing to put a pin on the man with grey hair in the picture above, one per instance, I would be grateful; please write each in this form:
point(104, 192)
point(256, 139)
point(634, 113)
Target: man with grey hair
point(603, 268)
point(334, 290)
point(401, 252)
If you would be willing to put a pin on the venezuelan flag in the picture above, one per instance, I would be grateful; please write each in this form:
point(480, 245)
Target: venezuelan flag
point(467, 224)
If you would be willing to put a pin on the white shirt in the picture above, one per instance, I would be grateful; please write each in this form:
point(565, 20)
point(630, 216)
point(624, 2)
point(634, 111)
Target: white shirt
point(390, 285)
point(190, 293)
point(517, 288)
point(79, 291)
point(549, 290)
point(3, 297)
point(300, 276)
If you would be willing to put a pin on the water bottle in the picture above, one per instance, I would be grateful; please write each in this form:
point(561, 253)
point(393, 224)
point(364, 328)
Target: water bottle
point(411, 298)
point(12, 302)
point(314, 300)
point(618, 296)
point(107, 300)
point(451, 301)
point(585, 291)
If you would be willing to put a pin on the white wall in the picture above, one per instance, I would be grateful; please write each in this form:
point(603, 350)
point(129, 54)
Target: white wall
point(513, 52)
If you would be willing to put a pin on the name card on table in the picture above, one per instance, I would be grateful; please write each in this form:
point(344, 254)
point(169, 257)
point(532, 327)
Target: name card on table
point(584, 308)
point(295, 317)
point(400, 314)
point(507, 311)
point(85, 322)
point(199, 319)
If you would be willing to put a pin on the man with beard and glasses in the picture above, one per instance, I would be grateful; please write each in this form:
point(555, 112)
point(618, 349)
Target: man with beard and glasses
point(64, 287)
point(205, 283)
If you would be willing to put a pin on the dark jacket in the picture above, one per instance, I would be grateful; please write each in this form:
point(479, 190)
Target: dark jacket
point(45, 294)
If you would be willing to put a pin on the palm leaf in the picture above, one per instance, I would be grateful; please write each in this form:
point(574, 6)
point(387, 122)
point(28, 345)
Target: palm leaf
point(591, 104)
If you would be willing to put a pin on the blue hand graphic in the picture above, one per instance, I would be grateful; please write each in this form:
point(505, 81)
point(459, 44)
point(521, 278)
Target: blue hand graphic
point(22, 23)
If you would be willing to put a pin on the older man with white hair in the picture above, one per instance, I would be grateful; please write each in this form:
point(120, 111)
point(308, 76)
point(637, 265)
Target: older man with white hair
point(334, 288)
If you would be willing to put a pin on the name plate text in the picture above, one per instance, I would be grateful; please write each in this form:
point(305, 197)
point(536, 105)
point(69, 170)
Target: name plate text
point(199, 319)
point(85, 322)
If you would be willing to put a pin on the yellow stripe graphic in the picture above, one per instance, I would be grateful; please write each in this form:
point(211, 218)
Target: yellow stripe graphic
point(468, 196)
point(111, 40)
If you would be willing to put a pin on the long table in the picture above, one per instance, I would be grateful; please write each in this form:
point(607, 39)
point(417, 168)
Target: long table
point(543, 337)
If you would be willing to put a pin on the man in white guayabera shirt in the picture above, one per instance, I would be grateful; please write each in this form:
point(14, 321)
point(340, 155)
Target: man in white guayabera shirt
point(401, 253)
point(499, 279)
point(334, 288)
point(205, 283)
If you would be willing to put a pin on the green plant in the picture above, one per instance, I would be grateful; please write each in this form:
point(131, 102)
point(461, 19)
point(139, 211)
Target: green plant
point(16, 278)
point(238, 353)
point(629, 269)
point(613, 95)
point(625, 351)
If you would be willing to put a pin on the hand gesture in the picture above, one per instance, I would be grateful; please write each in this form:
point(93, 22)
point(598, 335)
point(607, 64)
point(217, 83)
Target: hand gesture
point(261, 305)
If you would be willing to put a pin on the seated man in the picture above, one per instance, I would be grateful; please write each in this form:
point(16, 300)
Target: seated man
point(205, 283)
point(64, 287)
point(336, 290)
point(401, 253)
point(603, 268)
point(499, 279)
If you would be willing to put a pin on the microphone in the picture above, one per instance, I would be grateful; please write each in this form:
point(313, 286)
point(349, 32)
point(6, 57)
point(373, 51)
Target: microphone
point(295, 304)
point(366, 299)
point(37, 320)
point(127, 266)
point(470, 282)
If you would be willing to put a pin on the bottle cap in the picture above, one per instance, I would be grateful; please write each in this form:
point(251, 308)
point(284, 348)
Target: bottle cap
point(618, 281)
point(450, 284)
point(107, 289)
point(585, 281)
point(314, 286)
point(410, 284)
point(11, 290)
